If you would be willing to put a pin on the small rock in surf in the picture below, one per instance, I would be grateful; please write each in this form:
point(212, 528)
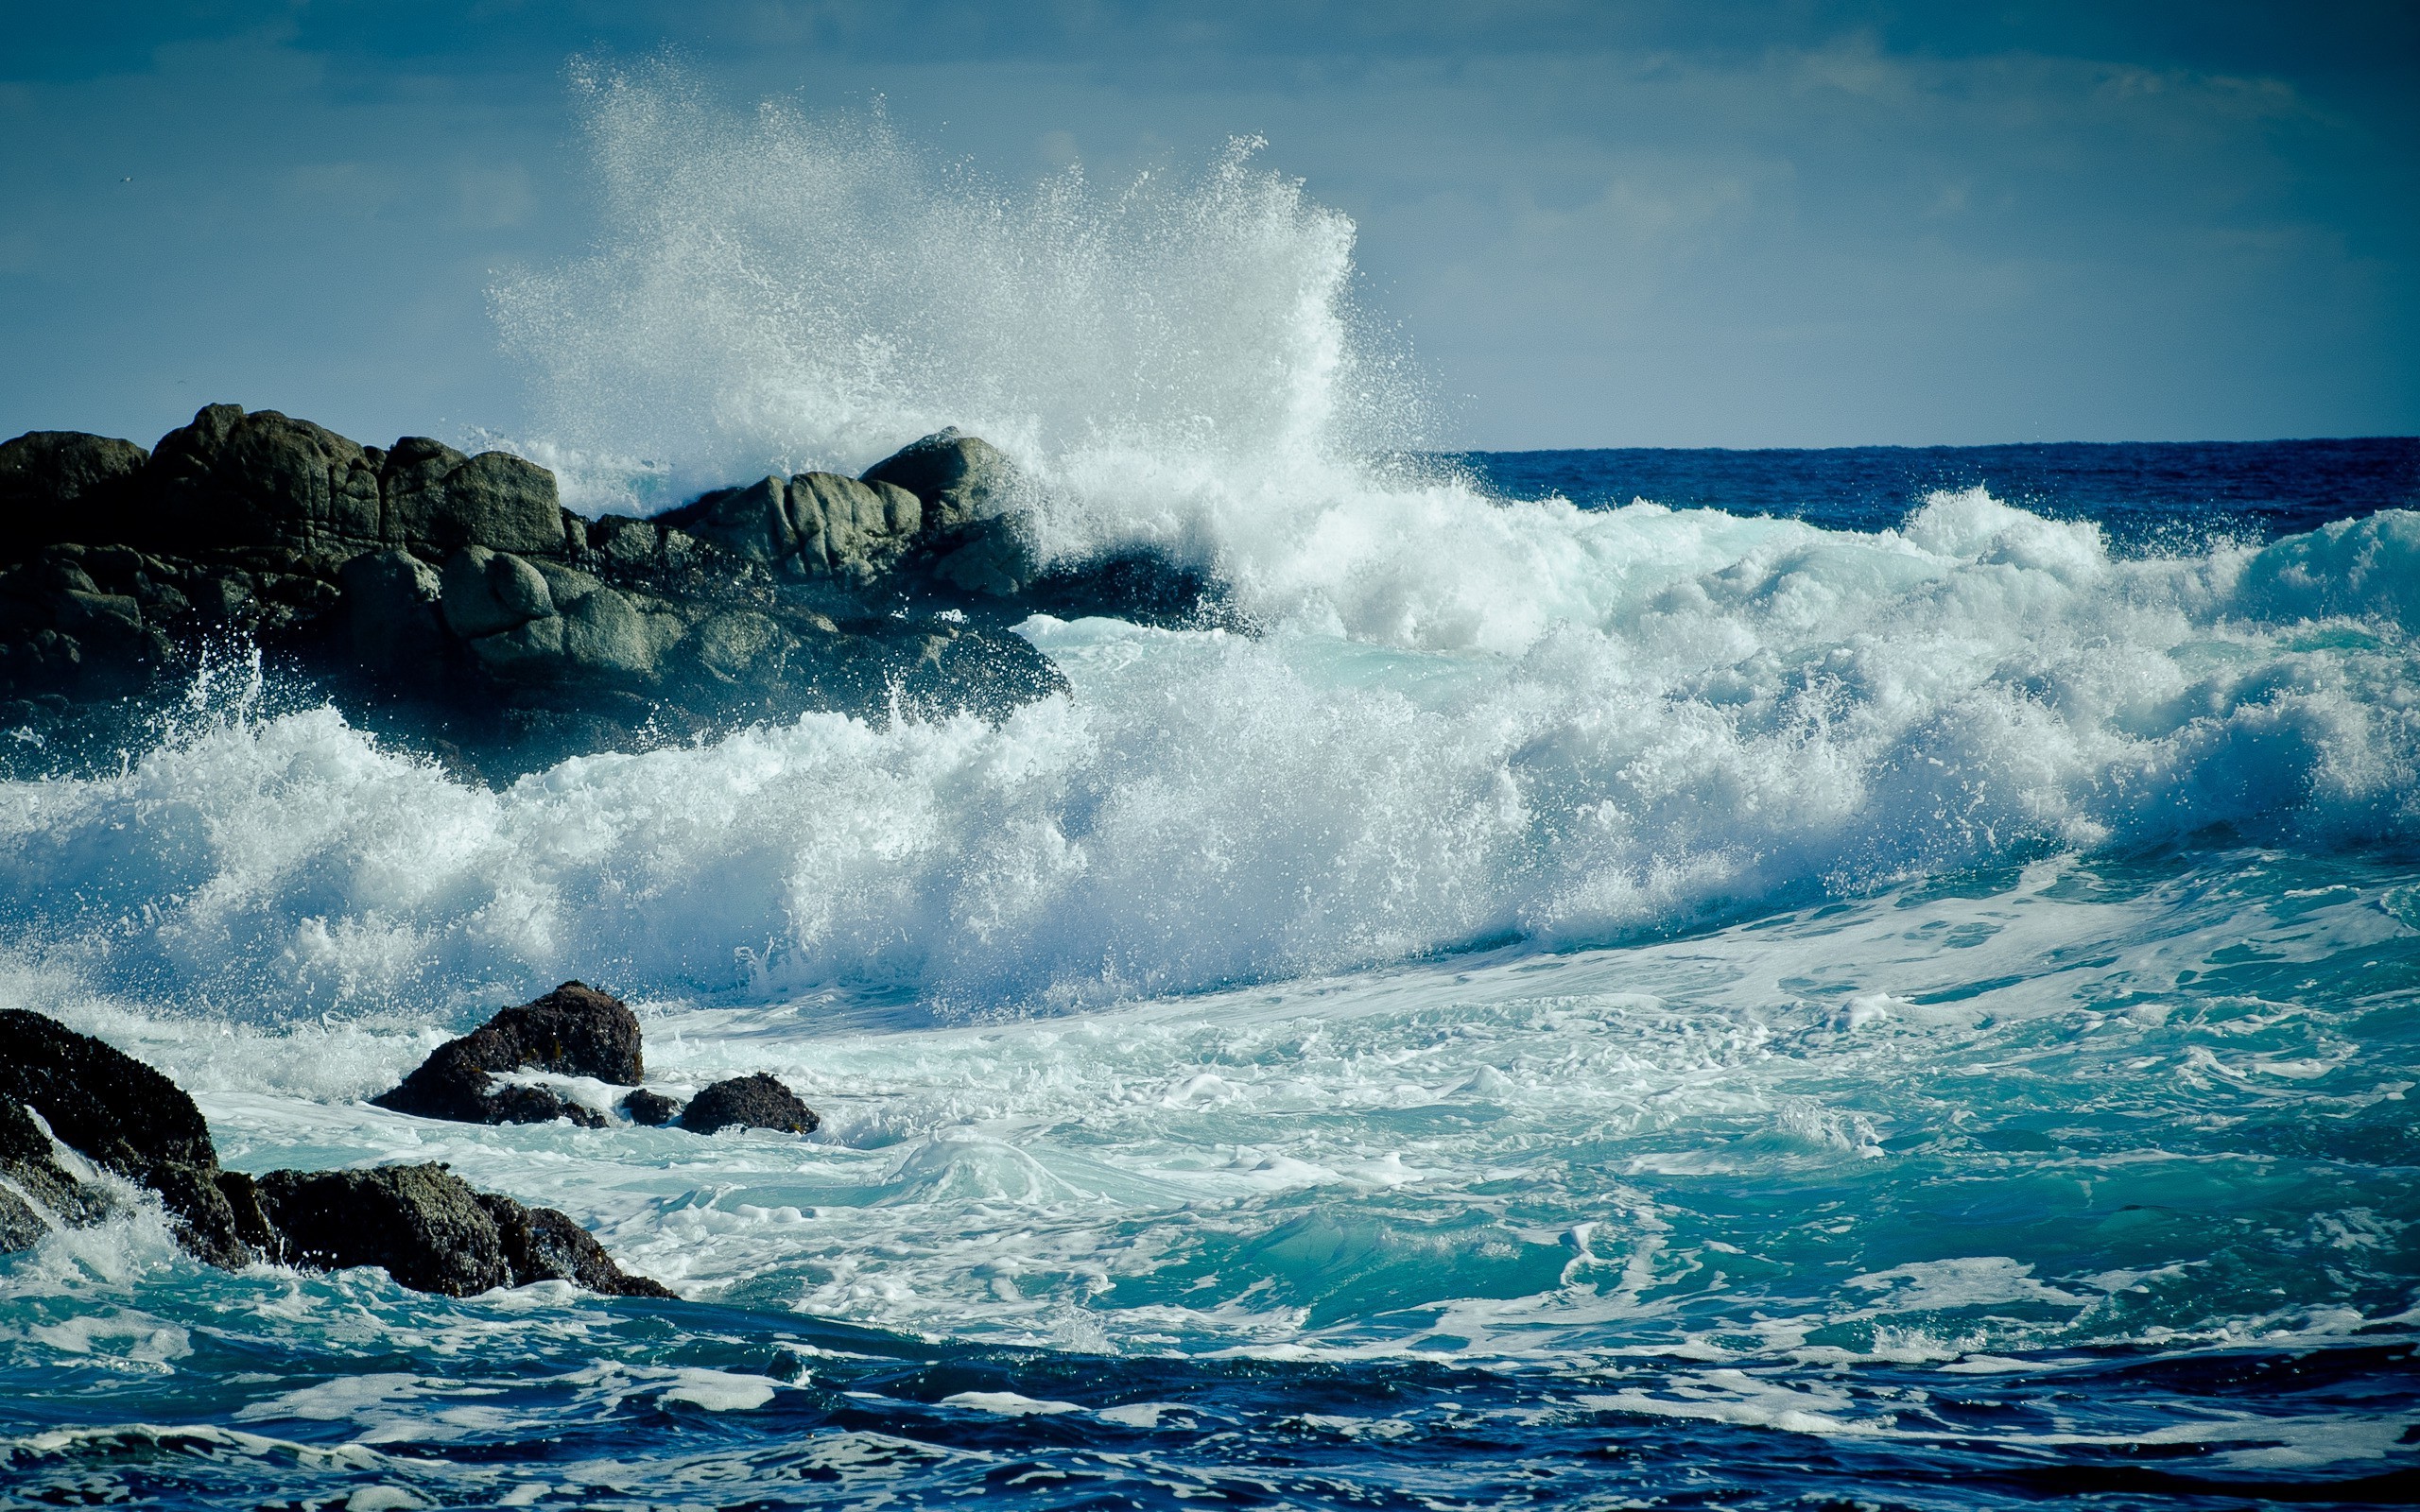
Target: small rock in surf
point(573, 1031)
point(750, 1102)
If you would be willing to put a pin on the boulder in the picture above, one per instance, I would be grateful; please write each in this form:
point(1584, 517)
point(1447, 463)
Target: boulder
point(573, 1031)
point(437, 501)
point(652, 1109)
point(992, 559)
point(422, 1222)
point(392, 613)
point(53, 484)
point(121, 1114)
point(959, 478)
point(260, 480)
point(428, 1229)
point(814, 526)
point(542, 1245)
point(543, 621)
point(748, 1102)
point(488, 592)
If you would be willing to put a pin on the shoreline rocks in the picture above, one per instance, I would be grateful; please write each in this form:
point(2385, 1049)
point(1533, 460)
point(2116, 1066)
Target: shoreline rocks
point(578, 1031)
point(126, 1117)
point(433, 1233)
point(430, 1229)
point(451, 600)
point(573, 1031)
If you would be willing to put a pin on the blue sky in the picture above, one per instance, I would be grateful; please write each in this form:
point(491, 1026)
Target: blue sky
point(1792, 224)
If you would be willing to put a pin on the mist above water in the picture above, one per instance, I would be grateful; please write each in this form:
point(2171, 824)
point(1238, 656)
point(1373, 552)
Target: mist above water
point(792, 289)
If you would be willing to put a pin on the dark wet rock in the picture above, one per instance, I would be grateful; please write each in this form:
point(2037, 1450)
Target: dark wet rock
point(1140, 587)
point(573, 1031)
point(653, 1109)
point(814, 526)
point(262, 480)
point(748, 1102)
point(35, 1190)
point(421, 1224)
point(439, 500)
point(542, 1245)
point(449, 600)
point(428, 1229)
point(959, 478)
point(121, 1114)
point(55, 483)
point(390, 605)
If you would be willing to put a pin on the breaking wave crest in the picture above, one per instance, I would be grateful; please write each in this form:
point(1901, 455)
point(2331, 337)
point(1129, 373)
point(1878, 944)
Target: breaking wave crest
point(1757, 713)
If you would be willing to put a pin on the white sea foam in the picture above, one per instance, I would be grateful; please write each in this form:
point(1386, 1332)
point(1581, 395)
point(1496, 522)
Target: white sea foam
point(1760, 713)
point(1469, 721)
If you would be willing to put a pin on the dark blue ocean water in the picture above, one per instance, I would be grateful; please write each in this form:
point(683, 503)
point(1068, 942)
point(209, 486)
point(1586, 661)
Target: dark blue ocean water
point(2168, 493)
point(1830, 1019)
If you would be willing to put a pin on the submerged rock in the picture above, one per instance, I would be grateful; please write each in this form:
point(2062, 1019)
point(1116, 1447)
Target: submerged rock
point(124, 1116)
point(748, 1102)
point(428, 1229)
point(573, 1031)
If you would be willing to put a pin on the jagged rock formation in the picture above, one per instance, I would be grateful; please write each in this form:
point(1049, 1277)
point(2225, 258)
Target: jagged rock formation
point(454, 598)
point(757, 1101)
point(573, 1031)
point(425, 1225)
point(35, 1190)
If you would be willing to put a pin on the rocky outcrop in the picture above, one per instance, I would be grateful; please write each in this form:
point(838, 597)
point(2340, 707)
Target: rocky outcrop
point(35, 1190)
point(124, 1116)
point(817, 527)
point(573, 1031)
point(428, 1228)
point(578, 1031)
point(757, 1101)
point(450, 599)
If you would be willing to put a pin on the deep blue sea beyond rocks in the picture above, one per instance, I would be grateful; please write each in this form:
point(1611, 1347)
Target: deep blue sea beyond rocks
point(1874, 977)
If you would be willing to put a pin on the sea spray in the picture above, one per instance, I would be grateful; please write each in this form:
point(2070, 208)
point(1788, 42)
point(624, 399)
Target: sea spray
point(1755, 713)
point(1590, 1006)
point(789, 289)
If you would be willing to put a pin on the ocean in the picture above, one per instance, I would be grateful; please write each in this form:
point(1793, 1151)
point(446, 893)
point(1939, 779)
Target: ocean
point(1876, 978)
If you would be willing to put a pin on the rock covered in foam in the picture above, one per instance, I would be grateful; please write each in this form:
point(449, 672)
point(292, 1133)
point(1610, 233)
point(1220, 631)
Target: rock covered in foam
point(573, 1031)
point(428, 1229)
point(757, 1101)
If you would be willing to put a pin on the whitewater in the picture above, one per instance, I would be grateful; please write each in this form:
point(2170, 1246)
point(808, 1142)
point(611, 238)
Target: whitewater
point(1549, 1000)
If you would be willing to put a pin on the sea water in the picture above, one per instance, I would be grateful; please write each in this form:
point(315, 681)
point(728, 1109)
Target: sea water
point(1763, 979)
